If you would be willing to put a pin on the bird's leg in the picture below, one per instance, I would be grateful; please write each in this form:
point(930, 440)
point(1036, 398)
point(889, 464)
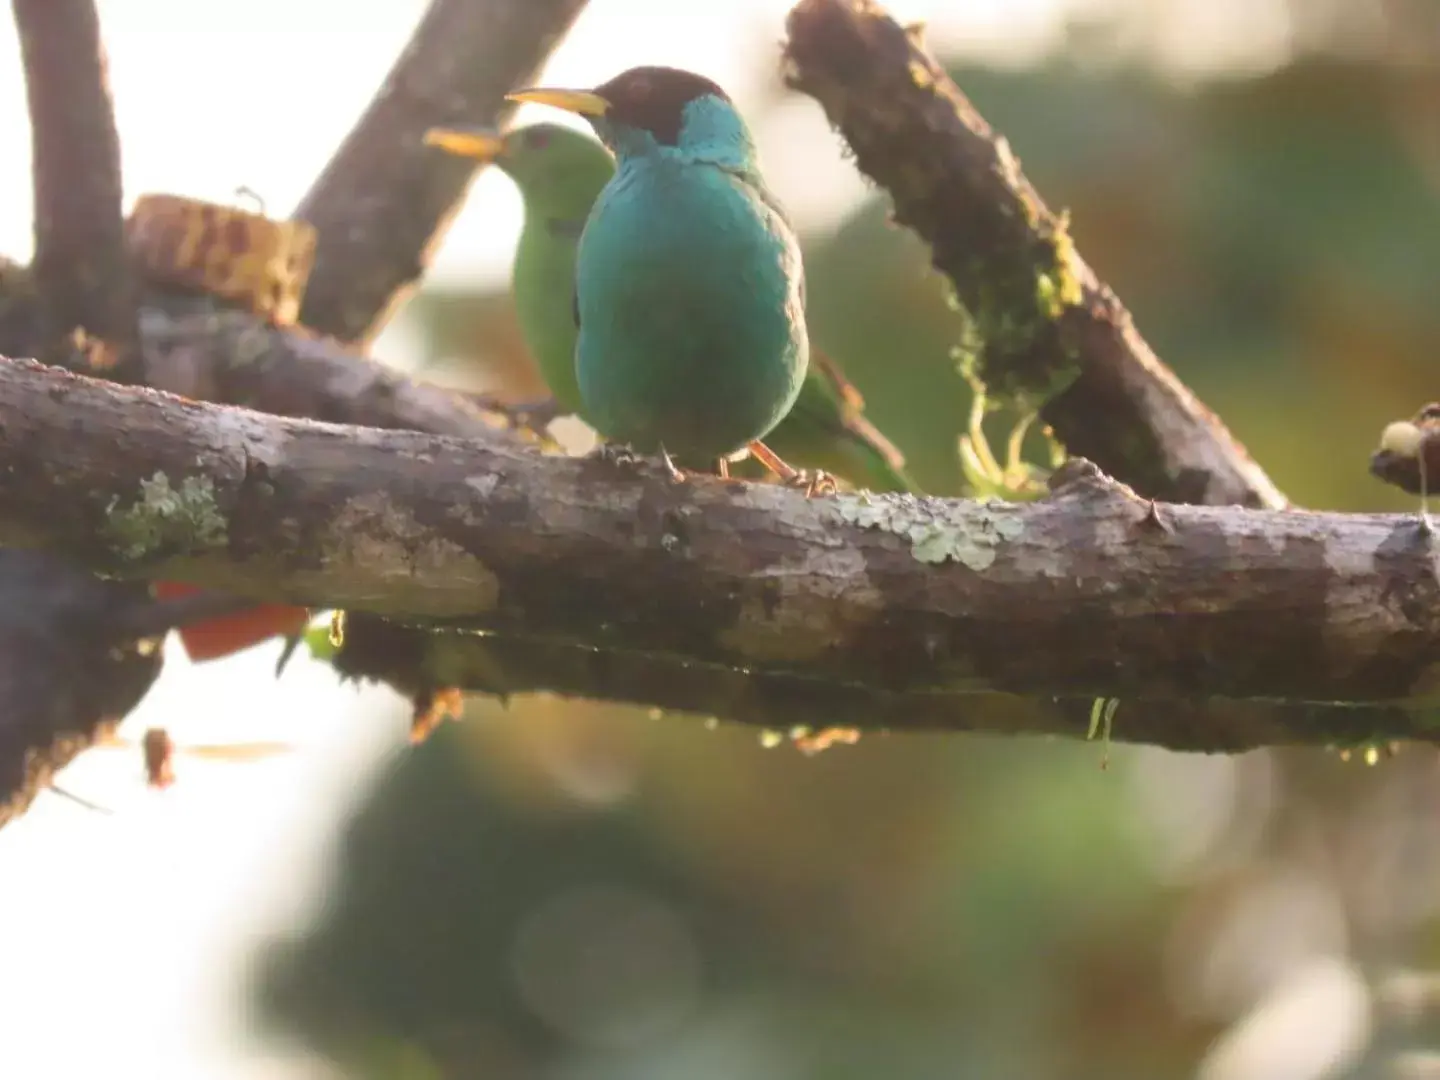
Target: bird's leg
point(670, 467)
point(817, 483)
point(774, 462)
point(722, 468)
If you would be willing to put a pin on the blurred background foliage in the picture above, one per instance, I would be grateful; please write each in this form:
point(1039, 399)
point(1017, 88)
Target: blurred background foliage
point(567, 890)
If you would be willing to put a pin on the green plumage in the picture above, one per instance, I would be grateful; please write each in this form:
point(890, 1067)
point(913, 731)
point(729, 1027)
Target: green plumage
point(560, 172)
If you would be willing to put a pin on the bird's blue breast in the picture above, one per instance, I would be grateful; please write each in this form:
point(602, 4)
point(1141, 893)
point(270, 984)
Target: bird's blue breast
point(690, 299)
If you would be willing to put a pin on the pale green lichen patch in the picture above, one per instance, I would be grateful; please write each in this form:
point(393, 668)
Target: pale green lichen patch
point(938, 530)
point(166, 518)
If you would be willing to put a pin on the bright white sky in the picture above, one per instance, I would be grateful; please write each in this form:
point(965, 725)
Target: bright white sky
point(123, 936)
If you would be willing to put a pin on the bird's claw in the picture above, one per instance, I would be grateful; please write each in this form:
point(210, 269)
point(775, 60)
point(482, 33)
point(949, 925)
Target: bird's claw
point(619, 455)
point(818, 482)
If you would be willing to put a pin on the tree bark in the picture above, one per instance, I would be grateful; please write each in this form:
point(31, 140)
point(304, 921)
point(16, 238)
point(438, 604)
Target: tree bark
point(1043, 316)
point(78, 652)
point(80, 266)
point(1090, 592)
point(385, 199)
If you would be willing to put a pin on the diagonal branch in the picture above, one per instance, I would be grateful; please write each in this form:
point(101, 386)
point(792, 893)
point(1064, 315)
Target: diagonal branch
point(1040, 311)
point(80, 264)
point(234, 358)
point(385, 199)
point(1091, 592)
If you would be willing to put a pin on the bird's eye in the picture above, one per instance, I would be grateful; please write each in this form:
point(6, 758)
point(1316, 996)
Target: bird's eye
point(536, 140)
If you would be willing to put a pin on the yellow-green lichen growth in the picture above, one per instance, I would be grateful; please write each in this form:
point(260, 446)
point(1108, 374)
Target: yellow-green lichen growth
point(939, 530)
point(164, 517)
point(1014, 293)
point(1058, 287)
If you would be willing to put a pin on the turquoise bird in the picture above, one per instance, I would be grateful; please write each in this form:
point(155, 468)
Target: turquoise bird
point(689, 289)
point(560, 173)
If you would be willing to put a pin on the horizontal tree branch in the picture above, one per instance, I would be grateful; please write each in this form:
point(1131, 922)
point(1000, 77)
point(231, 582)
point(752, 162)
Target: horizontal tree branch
point(385, 198)
point(1091, 592)
point(1040, 311)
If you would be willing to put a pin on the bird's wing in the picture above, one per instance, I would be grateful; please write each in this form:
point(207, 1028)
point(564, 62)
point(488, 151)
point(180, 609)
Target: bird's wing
point(754, 182)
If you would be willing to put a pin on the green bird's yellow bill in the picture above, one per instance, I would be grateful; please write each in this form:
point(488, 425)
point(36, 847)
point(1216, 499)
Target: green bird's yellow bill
point(471, 143)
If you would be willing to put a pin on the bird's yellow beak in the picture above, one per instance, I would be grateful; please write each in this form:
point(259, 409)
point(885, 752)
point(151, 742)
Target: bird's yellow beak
point(478, 143)
point(584, 102)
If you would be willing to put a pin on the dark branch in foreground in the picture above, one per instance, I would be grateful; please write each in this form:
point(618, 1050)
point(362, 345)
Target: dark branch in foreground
point(1039, 309)
point(418, 663)
point(80, 266)
point(1090, 592)
point(385, 198)
point(76, 654)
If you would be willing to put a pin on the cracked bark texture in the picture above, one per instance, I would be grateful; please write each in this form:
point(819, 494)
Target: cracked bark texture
point(1044, 317)
point(1090, 592)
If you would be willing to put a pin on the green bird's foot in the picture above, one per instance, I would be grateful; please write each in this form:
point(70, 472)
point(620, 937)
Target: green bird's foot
point(535, 416)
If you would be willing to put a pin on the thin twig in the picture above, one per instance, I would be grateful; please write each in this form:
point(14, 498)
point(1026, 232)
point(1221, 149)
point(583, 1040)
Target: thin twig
point(80, 265)
point(385, 199)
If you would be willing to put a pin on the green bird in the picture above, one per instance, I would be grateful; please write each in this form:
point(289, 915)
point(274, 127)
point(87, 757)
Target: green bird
point(561, 173)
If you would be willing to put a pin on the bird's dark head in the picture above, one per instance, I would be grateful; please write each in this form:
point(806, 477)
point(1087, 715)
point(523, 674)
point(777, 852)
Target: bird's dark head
point(647, 107)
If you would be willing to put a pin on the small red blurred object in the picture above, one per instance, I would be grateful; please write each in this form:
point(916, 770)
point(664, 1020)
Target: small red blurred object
point(216, 638)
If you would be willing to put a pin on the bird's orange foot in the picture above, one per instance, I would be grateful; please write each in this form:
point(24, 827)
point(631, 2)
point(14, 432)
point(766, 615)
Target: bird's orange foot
point(722, 470)
point(773, 461)
point(817, 483)
point(814, 483)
